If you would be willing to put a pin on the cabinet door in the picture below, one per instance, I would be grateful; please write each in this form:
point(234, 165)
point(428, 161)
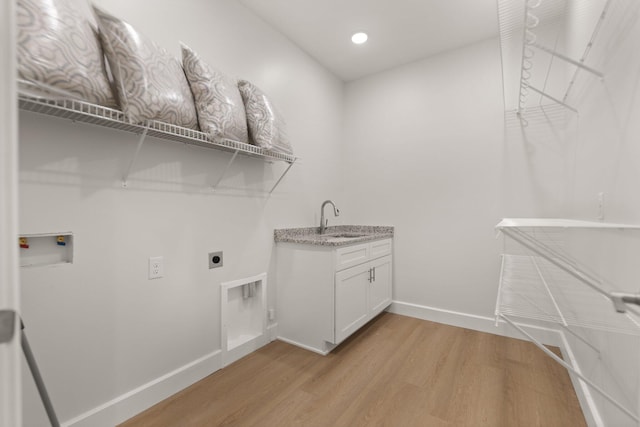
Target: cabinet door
point(380, 287)
point(351, 308)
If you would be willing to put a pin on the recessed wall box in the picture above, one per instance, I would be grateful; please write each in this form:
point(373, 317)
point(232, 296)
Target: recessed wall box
point(215, 259)
point(46, 249)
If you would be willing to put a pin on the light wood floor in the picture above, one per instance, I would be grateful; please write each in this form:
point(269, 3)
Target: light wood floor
point(396, 371)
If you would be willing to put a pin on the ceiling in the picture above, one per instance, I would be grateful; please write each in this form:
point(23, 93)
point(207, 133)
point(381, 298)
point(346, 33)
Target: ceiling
point(400, 31)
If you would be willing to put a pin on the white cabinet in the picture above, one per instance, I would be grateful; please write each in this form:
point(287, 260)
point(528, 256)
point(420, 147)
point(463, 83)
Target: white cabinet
point(361, 292)
point(327, 293)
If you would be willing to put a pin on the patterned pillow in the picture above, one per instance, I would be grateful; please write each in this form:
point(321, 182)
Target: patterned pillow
point(59, 51)
point(150, 83)
point(218, 101)
point(266, 125)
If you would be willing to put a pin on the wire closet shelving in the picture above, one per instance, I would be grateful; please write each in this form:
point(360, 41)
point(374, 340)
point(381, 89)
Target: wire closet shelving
point(84, 112)
point(541, 282)
point(549, 47)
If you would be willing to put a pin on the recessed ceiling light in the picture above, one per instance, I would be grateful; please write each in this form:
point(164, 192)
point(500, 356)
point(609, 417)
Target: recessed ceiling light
point(359, 38)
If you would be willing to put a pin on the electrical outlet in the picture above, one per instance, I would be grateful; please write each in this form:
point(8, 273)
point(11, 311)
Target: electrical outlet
point(156, 267)
point(271, 314)
point(215, 259)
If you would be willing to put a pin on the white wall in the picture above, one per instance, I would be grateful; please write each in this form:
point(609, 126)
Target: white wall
point(98, 327)
point(424, 149)
point(428, 150)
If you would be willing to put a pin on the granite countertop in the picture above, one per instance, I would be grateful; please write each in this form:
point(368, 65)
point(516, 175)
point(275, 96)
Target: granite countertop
point(337, 235)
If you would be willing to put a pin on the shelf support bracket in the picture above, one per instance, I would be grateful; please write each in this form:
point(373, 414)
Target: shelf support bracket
point(569, 60)
point(281, 176)
point(214, 187)
point(125, 178)
point(556, 100)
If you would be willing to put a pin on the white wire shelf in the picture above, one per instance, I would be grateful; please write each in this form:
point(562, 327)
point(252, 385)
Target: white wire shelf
point(84, 112)
point(545, 238)
point(533, 288)
point(542, 289)
point(559, 223)
point(540, 281)
point(548, 46)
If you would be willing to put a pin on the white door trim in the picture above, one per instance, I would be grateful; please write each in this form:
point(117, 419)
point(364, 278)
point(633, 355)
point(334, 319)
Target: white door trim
point(10, 384)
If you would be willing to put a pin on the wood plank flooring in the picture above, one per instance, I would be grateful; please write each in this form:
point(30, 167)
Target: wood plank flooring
point(396, 371)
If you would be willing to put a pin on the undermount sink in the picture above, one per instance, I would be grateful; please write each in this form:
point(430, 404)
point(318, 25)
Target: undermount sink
point(342, 235)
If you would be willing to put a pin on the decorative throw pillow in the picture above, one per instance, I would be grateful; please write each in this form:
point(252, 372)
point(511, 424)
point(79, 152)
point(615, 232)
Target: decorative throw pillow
point(59, 51)
point(218, 101)
point(266, 125)
point(150, 83)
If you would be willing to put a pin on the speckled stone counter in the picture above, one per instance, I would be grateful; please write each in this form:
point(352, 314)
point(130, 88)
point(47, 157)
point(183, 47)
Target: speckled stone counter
point(339, 235)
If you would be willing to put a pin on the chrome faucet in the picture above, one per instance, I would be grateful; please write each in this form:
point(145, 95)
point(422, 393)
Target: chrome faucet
point(325, 222)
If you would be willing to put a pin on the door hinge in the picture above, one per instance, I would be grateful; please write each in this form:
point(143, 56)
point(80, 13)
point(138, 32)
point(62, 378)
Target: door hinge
point(7, 325)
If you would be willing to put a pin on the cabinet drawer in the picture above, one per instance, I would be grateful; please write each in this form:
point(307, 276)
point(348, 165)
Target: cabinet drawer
point(380, 248)
point(349, 256)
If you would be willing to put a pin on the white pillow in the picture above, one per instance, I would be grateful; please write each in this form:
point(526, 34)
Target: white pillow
point(266, 125)
point(218, 102)
point(59, 51)
point(150, 83)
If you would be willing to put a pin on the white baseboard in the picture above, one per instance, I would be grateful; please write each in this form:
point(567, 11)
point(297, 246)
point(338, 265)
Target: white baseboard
point(474, 322)
point(137, 400)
